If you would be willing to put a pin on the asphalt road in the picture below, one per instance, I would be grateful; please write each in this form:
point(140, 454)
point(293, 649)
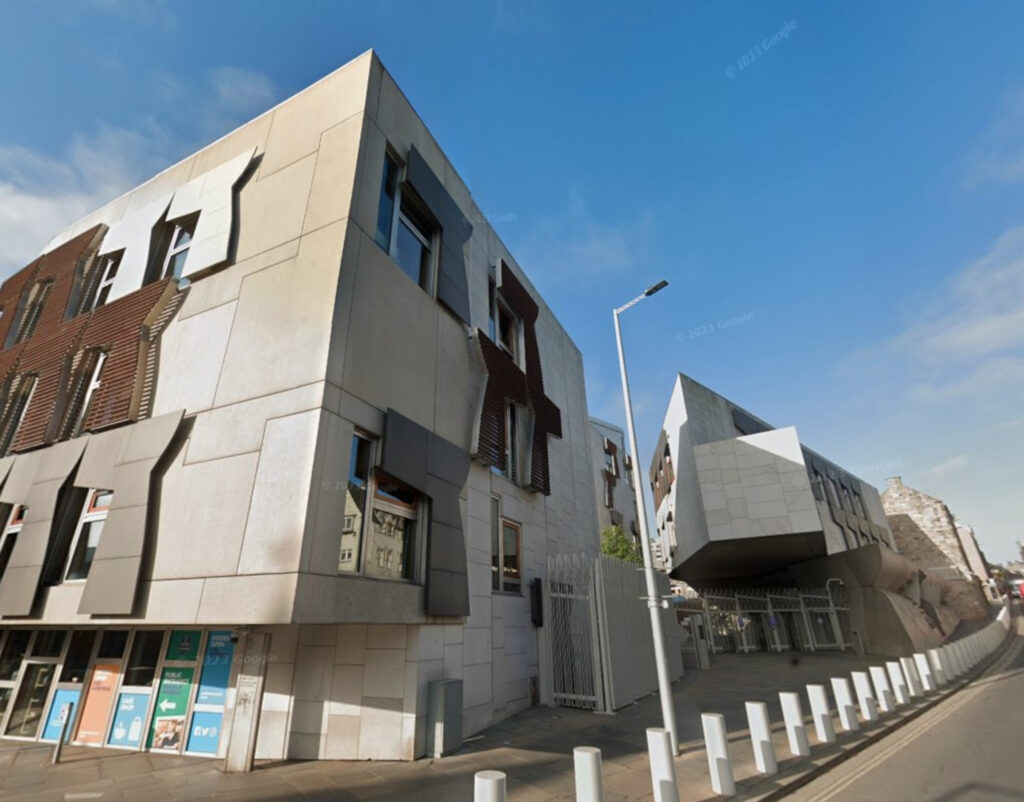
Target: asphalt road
point(970, 747)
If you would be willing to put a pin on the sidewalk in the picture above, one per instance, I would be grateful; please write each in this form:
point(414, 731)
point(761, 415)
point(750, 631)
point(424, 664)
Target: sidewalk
point(533, 748)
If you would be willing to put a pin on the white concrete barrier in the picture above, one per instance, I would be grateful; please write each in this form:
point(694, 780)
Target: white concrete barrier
point(938, 671)
point(883, 693)
point(663, 769)
point(925, 670)
point(489, 786)
point(795, 729)
point(913, 678)
point(900, 688)
point(823, 726)
point(964, 655)
point(950, 664)
point(865, 696)
point(761, 738)
point(719, 765)
point(586, 762)
point(844, 704)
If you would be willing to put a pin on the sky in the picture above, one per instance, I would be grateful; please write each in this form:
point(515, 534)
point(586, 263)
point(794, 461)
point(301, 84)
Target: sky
point(835, 192)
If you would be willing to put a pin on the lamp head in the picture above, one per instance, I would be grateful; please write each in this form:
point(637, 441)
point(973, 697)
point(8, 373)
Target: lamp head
point(655, 288)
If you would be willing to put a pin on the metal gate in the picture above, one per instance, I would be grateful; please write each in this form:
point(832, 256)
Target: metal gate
point(575, 655)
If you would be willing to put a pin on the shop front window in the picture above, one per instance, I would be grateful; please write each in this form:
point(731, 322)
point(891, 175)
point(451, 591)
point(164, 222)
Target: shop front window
point(143, 659)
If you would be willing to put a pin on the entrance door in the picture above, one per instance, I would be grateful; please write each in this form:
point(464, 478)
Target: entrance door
point(30, 702)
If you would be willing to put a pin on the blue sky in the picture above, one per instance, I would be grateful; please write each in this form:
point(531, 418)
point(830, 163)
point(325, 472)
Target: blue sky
point(839, 215)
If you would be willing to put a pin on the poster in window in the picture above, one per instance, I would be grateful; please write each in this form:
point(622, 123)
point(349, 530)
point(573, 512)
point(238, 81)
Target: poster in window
point(168, 730)
point(55, 721)
point(207, 720)
point(183, 645)
point(99, 696)
point(128, 720)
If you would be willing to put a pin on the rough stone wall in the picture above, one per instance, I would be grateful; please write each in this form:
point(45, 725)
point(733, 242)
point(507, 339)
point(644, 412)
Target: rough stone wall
point(925, 532)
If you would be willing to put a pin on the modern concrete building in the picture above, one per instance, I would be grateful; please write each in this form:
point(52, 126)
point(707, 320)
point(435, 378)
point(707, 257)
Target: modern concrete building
point(288, 435)
point(928, 533)
point(740, 503)
point(613, 478)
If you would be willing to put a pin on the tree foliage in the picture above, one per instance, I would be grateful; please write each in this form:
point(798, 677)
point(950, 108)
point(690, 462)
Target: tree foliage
point(616, 543)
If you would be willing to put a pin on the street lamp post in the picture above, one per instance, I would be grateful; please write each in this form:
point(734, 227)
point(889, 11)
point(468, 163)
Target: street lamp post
point(653, 600)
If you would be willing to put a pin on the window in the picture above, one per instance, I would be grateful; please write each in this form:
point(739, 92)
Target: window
point(143, 658)
point(10, 536)
point(76, 661)
point(107, 274)
point(386, 207)
point(88, 534)
point(87, 381)
point(504, 325)
point(178, 242)
point(506, 546)
point(112, 644)
point(360, 460)
point(14, 652)
point(49, 642)
point(16, 408)
point(33, 309)
point(392, 540)
point(405, 229)
point(511, 471)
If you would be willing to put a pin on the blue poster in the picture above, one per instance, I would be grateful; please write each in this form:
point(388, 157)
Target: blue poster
point(55, 720)
point(213, 682)
point(204, 734)
point(128, 719)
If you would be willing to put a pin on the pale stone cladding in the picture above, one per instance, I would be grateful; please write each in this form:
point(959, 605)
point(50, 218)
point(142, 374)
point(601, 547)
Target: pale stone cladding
point(928, 533)
point(613, 478)
point(309, 334)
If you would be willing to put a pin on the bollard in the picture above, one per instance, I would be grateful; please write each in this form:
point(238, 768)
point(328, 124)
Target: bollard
point(717, 746)
point(489, 786)
point(938, 670)
point(924, 668)
point(65, 722)
point(663, 770)
point(822, 716)
point(883, 693)
point(865, 696)
point(899, 684)
point(913, 679)
point(587, 764)
point(844, 704)
point(761, 738)
point(795, 729)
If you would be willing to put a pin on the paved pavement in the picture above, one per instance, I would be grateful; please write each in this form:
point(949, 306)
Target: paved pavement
point(966, 749)
point(534, 748)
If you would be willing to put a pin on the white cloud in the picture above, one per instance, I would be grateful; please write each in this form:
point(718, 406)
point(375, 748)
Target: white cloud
point(947, 466)
point(999, 157)
point(576, 246)
point(41, 193)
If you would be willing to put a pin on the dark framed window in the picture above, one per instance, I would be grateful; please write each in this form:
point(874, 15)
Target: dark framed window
point(145, 654)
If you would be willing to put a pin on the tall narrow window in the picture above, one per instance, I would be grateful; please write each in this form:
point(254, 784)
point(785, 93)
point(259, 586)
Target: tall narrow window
point(86, 382)
point(108, 272)
point(392, 542)
point(10, 536)
point(88, 534)
point(386, 207)
point(359, 463)
point(33, 309)
point(503, 325)
point(178, 243)
point(16, 407)
point(506, 554)
point(512, 443)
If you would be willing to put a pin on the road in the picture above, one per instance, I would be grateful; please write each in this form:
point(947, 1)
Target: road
point(970, 747)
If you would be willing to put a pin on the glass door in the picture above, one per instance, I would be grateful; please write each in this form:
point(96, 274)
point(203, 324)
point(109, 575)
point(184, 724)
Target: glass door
point(30, 701)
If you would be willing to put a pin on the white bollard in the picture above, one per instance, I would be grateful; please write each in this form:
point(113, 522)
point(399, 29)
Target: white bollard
point(761, 738)
point(822, 716)
point(663, 770)
point(844, 704)
point(913, 678)
point(587, 766)
point(883, 693)
point(898, 682)
point(489, 786)
point(924, 669)
point(938, 669)
point(795, 729)
point(718, 755)
point(865, 696)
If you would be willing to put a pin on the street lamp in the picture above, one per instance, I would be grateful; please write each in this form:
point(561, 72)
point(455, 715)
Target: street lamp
point(653, 601)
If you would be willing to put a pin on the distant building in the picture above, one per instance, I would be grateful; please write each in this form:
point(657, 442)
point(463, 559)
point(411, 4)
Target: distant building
point(928, 533)
point(740, 503)
point(613, 478)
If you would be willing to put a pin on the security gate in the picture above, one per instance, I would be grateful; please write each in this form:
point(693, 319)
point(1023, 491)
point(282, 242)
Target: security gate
point(575, 659)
